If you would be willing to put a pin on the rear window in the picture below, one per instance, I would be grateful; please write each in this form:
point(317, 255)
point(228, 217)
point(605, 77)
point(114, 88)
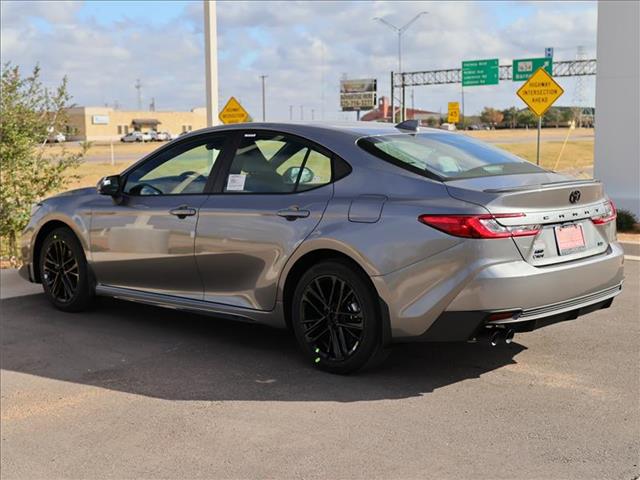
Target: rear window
point(445, 156)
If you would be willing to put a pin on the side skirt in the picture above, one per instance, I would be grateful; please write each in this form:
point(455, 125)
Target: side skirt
point(273, 318)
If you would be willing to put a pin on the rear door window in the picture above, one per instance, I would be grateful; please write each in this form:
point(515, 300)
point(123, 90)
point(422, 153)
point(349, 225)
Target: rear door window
point(276, 163)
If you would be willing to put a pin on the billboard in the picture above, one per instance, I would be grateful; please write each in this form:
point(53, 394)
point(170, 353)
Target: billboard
point(360, 94)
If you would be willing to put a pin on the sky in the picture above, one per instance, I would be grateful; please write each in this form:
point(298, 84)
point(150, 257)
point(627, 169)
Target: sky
point(304, 48)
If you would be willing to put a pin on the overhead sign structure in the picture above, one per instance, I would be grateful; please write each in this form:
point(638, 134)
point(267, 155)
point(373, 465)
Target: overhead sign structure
point(360, 94)
point(453, 112)
point(540, 92)
point(233, 112)
point(480, 72)
point(524, 68)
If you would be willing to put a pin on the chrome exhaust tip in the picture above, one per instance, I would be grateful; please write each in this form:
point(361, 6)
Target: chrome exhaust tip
point(495, 338)
point(508, 337)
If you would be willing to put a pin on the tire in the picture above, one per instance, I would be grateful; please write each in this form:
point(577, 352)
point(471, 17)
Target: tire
point(337, 335)
point(64, 272)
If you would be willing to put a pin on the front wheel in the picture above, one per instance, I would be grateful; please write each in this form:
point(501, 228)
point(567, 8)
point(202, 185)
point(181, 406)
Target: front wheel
point(335, 318)
point(64, 271)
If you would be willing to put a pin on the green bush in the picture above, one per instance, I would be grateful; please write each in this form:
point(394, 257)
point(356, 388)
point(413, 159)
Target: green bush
point(626, 221)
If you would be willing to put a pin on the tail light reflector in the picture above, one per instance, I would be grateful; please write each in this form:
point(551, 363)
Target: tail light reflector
point(610, 214)
point(479, 226)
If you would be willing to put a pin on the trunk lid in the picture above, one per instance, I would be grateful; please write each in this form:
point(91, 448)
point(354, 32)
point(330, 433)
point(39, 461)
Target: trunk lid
point(563, 207)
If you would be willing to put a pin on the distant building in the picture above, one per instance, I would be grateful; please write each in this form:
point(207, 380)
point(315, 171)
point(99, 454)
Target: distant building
point(383, 113)
point(106, 124)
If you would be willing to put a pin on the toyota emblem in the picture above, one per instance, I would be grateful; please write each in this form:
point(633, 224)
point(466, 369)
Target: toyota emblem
point(574, 196)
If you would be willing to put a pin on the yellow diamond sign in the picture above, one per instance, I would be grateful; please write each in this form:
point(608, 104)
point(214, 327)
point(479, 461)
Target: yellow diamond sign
point(233, 112)
point(540, 91)
point(453, 112)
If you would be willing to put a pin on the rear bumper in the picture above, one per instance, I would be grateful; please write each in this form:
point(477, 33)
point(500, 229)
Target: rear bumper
point(519, 285)
point(466, 283)
point(464, 326)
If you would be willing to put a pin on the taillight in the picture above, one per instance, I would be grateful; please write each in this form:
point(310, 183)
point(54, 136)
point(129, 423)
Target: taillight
point(610, 214)
point(479, 226)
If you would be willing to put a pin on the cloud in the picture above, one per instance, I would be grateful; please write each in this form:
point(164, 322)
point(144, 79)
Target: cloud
point(303, 47)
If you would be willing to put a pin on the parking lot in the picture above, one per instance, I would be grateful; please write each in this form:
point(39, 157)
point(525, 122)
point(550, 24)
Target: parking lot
point(132, 391)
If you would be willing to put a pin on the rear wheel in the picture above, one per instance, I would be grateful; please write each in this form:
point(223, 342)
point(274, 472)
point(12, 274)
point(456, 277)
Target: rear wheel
point(335, 318)
point(64, 272)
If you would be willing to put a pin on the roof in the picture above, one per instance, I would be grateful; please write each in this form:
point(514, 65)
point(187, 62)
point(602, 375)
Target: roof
point(145, 121)
point(354, 129)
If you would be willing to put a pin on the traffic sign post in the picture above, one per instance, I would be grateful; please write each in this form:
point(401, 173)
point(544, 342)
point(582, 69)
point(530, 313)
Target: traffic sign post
point(480, 72)
point(233, 112)
point(524, 68)
point(539, 92)
point(453, 113)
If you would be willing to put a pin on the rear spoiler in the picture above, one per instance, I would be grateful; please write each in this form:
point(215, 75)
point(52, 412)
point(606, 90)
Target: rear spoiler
point(543, 186)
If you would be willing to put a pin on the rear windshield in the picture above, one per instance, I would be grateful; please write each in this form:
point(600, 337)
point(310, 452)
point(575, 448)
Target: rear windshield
point(445, 156)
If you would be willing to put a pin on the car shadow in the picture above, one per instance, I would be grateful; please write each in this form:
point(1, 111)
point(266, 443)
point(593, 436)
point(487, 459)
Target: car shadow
point(174, 355)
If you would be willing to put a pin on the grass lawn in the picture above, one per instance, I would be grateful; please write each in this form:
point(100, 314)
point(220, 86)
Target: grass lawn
point(576, 155)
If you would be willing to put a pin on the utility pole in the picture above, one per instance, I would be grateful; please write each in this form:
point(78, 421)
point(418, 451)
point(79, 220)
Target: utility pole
point(290, 112)
point(301, 113)
point(400, 31)
point(263, 77)
point(211, 61)
point(313, 114)
point(138, 87)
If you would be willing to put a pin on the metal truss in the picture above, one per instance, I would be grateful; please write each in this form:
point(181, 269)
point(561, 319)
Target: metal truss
point(567, 68)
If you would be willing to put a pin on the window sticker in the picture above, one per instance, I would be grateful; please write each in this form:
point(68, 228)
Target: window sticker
point(235, 182)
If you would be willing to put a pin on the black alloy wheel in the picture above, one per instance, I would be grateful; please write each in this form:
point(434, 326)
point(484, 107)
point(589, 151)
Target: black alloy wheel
point(335, 317)
point(331, 318)
point(64, 272)
point(60, 270)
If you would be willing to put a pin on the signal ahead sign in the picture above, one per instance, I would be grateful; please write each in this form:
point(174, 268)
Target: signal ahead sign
point(233, 112)
point(540, 92)
point(523, 69)
point(480, 72)
point(454, 112)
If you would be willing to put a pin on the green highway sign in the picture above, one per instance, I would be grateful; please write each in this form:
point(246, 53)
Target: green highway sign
point(523, 69)
point(480, 72)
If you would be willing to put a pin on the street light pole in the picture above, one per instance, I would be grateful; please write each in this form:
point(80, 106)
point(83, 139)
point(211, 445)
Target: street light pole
point(263, 101)
point(400, 31)
point(211, 61)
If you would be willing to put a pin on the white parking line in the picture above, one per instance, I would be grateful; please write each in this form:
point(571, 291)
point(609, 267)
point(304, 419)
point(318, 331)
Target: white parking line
point(632, 257)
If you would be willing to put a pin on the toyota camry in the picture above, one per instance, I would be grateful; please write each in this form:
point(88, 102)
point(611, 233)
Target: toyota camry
point(352, 236)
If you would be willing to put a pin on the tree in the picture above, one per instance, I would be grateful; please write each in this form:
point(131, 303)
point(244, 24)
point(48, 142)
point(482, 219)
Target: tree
point(491, 116)
point(30, 113)
point(552, 117)
point(510, 117)
point(527, 118)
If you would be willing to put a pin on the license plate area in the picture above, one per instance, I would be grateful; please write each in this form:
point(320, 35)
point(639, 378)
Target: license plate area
point(570, 239)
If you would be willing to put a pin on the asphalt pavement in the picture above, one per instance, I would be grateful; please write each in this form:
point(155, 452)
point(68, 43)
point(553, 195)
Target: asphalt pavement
point(133, 391)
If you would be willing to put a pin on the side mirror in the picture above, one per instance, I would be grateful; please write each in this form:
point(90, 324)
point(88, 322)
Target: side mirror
point(291, 175)
point(109, 185)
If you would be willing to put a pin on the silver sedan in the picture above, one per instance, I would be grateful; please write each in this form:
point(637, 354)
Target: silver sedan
point(353, 236)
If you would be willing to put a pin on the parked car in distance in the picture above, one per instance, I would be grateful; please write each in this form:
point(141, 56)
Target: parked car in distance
point(159, 136)
point(56, 137)
point(132, 137)
point(451, 127)
point(352, 236)
point(137, 136)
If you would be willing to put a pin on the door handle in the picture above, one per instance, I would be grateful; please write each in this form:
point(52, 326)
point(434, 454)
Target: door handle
point(183, 211)
point(293, 213)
